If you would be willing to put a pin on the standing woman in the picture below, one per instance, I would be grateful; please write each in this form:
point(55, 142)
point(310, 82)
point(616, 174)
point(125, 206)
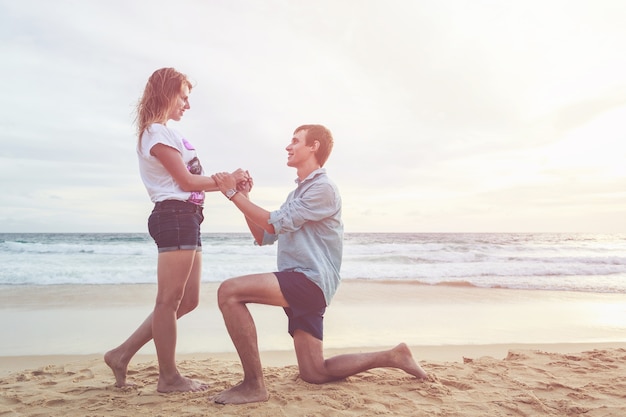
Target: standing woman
point(173, 177)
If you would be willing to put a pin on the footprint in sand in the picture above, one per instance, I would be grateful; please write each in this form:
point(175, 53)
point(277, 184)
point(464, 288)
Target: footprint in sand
point(462, 386)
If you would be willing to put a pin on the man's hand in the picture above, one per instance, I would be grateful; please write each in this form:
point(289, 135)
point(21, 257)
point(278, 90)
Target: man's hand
point(239, 180)
point(245, 186)
point(240, 175)
point(225, 181)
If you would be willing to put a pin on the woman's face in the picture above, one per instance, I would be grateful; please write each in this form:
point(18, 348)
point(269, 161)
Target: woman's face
point(180, 104)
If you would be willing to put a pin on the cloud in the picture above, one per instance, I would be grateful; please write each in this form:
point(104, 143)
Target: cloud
point(442, 112)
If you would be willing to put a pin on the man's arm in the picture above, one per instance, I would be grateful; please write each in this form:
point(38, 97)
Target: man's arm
point(257, 231)
point(256, 217)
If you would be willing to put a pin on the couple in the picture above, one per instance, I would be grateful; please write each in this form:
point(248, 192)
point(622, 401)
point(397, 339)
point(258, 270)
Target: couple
point(308, 229)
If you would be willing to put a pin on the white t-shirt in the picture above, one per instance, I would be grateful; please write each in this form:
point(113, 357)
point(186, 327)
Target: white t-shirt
point(157, 180)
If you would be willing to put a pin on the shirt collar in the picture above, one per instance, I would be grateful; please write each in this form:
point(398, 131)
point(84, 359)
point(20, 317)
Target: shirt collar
point(311, 175)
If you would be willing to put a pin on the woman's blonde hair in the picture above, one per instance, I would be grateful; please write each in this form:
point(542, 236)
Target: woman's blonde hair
point(163, 87)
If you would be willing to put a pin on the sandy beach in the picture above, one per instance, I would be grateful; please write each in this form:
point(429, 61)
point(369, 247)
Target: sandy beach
point(494, 352)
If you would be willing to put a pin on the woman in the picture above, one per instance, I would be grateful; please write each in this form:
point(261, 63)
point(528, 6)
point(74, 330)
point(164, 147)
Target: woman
point(173, 177)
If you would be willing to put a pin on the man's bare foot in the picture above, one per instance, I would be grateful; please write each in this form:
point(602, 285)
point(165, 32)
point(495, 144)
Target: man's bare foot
point(242, 394)
point(118, 366)
point(403, 359)
point(181, 384)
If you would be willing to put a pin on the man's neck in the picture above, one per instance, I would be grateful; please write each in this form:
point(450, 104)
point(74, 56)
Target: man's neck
point(305, 171)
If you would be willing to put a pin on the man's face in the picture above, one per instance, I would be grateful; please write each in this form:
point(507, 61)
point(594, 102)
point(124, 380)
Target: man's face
point(298, 151)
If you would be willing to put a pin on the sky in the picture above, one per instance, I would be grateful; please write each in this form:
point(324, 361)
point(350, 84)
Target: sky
point(448, 116)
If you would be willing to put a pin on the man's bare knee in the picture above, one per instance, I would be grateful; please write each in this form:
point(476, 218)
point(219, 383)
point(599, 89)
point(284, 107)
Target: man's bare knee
point(311, 362)
point(225, 293)
point(313, 377)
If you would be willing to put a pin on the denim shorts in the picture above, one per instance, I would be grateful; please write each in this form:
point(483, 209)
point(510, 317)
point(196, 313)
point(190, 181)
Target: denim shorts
point(306, 303)
point(175, 225)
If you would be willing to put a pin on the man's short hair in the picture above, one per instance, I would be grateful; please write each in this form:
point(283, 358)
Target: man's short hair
point(323, 136)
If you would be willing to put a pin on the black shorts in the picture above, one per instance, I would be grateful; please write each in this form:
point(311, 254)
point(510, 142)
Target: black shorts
point(306, 303)
point(175, 225)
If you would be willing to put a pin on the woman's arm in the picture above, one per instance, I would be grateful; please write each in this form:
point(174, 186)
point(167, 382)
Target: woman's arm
point(174, 164)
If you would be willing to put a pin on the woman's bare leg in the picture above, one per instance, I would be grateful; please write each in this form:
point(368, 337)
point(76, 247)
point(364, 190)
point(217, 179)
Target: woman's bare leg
point(119, 358)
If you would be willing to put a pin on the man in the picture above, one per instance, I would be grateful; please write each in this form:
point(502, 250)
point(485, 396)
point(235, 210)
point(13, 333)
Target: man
point(309, 231)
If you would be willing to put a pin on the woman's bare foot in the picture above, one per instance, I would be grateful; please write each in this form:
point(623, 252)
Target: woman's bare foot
point(181, 384)
point(118, 366)
point(242, 394)
point(403, 359)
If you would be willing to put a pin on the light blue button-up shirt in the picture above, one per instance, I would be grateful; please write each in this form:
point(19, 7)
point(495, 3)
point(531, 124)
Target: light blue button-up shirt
point(309, 231)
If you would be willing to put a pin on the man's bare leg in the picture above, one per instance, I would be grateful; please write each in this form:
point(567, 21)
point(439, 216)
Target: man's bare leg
point(314, 369)
point(233, 295)
point(399, 357)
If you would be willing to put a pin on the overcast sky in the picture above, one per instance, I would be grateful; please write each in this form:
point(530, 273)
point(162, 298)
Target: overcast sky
point(448, 116)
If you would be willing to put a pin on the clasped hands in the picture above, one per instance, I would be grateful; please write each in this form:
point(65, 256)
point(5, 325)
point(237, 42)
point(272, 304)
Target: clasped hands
point(239, 180)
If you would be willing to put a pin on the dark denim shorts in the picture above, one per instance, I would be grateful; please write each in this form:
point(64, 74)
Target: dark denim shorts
point(306, 303)
point(175, 225)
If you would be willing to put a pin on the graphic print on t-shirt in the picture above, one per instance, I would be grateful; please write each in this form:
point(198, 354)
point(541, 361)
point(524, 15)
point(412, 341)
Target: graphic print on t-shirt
point(188, 145)
point(195, 168)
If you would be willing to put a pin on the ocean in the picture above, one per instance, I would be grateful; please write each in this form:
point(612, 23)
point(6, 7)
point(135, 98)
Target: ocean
point(59, 293)
point(533, 261)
